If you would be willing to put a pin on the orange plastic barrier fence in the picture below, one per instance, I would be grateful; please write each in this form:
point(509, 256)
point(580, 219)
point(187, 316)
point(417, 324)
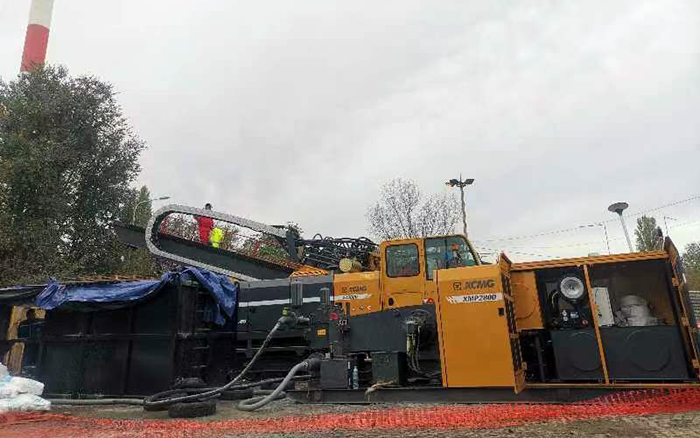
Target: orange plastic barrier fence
point(31, 425)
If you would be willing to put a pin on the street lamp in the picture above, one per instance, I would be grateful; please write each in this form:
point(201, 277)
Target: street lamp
point(133, 216)
point(618, 208)
point(462, 184)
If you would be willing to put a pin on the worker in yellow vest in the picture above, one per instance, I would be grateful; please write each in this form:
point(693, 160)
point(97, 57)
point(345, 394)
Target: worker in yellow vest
point(216, 236)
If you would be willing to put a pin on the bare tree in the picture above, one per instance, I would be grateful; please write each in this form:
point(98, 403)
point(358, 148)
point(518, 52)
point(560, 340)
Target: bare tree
point(403, 212)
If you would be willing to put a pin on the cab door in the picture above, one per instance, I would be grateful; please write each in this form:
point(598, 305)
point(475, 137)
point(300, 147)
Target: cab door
point(402, 273)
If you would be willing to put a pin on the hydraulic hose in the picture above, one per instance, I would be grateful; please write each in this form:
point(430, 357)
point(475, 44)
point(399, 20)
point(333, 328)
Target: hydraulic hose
point(206, 394)
point(245, 385)
point(139, 401)
point(258, 402)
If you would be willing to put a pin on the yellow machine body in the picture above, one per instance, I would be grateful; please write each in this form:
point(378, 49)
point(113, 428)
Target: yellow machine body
point(485, 312)
point(404, 276)
point(358, 292)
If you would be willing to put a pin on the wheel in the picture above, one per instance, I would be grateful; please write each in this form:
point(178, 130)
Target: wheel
point(192, 410)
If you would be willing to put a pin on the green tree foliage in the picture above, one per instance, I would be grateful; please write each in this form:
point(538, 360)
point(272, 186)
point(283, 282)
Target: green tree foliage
point(67, 159)
point(691, 260)
point(646, 234)
point(138, 201)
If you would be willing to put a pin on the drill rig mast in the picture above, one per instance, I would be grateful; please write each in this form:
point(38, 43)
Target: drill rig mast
point(324, 253)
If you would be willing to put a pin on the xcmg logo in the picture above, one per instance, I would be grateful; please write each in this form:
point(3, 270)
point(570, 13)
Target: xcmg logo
point(483, 283)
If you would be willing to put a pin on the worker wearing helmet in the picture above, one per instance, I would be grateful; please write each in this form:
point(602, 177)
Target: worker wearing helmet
point(205, 226)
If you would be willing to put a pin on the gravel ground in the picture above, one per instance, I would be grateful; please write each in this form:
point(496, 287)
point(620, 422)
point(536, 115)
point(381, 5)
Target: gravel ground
point(676, 425)
point(661, 426)
point(224, 411)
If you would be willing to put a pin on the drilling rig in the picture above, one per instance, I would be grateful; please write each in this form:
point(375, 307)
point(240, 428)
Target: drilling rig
point(425, 319)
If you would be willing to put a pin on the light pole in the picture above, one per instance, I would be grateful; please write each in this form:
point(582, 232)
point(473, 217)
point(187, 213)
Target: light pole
point(136, 207)
point(618, 208)
point(462, 184)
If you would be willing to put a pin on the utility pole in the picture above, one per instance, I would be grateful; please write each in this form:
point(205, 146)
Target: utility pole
point(462, 184)
point(618, 208)
point(607, 240)
point(666, 223)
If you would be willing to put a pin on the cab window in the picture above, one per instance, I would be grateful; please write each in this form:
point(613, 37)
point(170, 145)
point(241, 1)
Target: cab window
point(446, 253)
point(402, 260)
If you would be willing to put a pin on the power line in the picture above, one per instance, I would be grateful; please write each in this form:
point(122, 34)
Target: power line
point(568, 245)
point(684, 224)
point(672, 204)
point(591, 225)
point(513, 249)
point(594, 242)
point(496, 251)
point(529, 236)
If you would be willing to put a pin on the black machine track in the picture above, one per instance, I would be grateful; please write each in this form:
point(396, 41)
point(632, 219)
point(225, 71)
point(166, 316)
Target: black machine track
point(136, 237)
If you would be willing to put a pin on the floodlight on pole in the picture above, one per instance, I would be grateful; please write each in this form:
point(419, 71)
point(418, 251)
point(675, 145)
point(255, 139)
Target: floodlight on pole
point(618, 208)
point(462, 184)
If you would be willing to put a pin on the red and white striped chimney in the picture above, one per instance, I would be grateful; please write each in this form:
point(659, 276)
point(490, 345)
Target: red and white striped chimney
point(37, 34)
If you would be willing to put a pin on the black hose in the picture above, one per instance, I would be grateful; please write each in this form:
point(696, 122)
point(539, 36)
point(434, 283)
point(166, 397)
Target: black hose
point(207, 394)
point(243, 385)
point(139, 401)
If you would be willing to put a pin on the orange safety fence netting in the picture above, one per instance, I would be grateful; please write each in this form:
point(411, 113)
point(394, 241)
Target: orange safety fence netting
point(633, 403)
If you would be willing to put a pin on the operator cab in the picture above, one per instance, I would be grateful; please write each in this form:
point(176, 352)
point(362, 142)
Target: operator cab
point(408, 266)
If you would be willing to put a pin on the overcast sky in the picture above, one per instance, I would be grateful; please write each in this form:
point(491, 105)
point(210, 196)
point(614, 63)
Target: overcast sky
point(299, 111)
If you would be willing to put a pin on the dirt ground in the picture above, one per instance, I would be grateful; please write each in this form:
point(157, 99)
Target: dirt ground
point(676, 425)
point(224, 411)
point(662, 426)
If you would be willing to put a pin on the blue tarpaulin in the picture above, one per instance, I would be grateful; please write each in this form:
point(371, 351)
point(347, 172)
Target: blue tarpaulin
point(220, 287)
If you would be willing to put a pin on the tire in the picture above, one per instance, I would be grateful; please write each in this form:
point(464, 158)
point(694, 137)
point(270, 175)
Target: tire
point(192, 410)
point(237, 394)
point(161, 396)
